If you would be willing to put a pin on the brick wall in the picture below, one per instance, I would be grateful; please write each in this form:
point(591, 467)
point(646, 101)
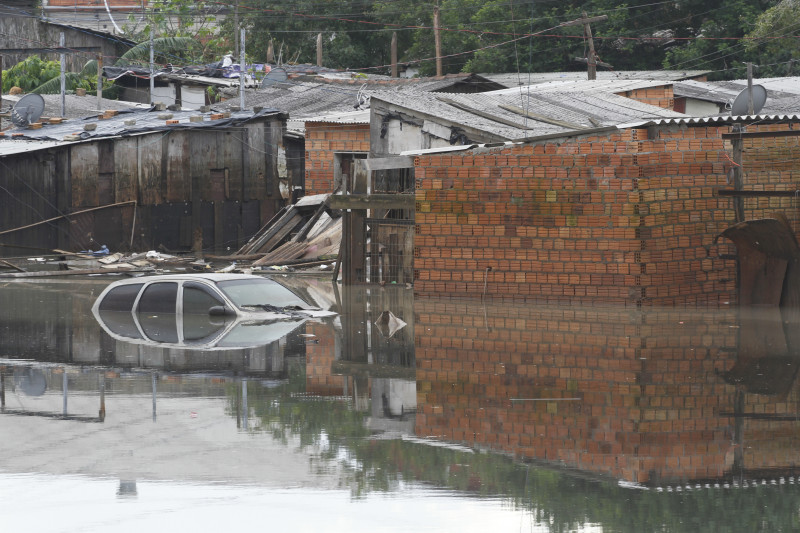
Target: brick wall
point(662, 96)
point(621, 218)
point(323, 140)
point(635, 394)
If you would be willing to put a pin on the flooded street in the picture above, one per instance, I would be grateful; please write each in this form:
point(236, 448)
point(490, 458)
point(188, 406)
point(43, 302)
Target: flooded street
point(397, 415)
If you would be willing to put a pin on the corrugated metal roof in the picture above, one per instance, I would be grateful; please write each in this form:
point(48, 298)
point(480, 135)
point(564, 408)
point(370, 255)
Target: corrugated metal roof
point(725, 92)
point(51, 135)
point(77, 106)
point(350, 117)
point(608, 86)
point(548, 113)
point(519, 79)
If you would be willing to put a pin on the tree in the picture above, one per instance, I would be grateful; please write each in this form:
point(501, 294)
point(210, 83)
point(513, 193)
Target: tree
point(773, 43)
point(30, 73)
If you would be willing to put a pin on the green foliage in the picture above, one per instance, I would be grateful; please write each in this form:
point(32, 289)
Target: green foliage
point(178, 18)
point(30, 73)
point(774, 46)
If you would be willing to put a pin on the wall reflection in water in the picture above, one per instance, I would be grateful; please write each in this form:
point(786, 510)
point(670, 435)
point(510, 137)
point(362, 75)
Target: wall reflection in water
point(649, 396)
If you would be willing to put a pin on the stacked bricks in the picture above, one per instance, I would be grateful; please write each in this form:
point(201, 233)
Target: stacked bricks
point(320, 356)
point(661, 96)
point(323, 141)
point(635, 394)
point(623, 218)
point(771, 164)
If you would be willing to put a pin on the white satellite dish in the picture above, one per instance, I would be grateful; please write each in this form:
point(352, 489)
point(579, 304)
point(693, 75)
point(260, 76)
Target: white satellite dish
point(28, 110)
point(739, 106)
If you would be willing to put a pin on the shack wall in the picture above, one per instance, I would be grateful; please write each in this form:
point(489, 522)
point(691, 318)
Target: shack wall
point(190, 187)
point(23, 31)
point(628, 217)
point(323, 141)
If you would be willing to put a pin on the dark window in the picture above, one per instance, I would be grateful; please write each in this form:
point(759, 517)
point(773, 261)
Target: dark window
point(198, 299)
point(159, 298)
point(157, 312)
point(121, 298)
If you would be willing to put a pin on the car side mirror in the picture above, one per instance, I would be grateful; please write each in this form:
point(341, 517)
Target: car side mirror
point(220, 310)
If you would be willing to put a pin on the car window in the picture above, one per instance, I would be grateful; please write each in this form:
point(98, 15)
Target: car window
point(248, 292)
point(120, 298)
point(121, 323)
point(159, 298)
point(157, 311)
point(198, 298)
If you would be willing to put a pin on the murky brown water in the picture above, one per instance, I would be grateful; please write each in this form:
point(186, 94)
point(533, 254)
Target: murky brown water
point(459, 416)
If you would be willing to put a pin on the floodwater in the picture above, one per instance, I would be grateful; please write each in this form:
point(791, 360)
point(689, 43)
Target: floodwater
point(456, 417)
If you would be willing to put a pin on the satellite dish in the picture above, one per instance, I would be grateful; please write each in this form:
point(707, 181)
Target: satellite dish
point(274, 76)
point(739, 106)
point(28, 110)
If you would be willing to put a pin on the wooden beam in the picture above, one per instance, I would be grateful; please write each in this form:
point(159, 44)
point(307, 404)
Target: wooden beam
point(759, 134)
point(758, 194)
point(389, 163)
point(371, 201)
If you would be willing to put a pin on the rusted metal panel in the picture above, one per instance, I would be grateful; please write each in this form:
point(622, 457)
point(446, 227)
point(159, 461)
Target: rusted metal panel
point(126, 169)
point(178, 176)
point(768, 262)
point(83, 173)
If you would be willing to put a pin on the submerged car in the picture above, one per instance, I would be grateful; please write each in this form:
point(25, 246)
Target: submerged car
point(201, 311)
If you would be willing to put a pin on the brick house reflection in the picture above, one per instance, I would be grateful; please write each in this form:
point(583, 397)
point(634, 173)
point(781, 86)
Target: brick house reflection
point(643, 396)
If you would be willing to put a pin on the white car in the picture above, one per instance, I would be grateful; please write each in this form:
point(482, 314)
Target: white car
point(201, 311)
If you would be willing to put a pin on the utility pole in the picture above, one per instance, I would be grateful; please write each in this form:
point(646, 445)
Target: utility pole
point(750, 108)
point(319, 49)
point(61, 43)
point(437, 40)
point(394, 54)
point(242, 72)
point(592, 60)
point(236, 28)
point(152, 66)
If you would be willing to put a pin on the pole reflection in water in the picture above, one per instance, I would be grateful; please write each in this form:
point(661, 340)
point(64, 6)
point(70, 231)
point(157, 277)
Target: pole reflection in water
point(153, 378)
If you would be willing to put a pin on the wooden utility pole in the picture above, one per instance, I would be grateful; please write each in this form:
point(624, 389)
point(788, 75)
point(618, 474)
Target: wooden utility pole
point(270, 52)
point(437, 39)
point(319, 49)
point(394, 54)
point(587, 33)
point(750, 109)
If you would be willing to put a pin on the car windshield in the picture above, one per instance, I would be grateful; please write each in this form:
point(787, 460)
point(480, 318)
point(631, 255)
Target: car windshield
point(258, 292)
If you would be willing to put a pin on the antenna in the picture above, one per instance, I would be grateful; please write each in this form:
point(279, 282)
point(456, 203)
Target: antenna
point(276, 75)
point(740, 104)
point(28, 110)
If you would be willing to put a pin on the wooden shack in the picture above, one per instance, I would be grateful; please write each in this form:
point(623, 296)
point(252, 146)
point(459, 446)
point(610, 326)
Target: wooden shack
point(140, 182)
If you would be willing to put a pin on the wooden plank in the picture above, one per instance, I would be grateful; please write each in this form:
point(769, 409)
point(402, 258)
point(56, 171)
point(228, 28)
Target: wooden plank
point(759, 134)
point(389, 163)
point(484, 114)
point(256, 240)
point(372, 201)
point(57, 273)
